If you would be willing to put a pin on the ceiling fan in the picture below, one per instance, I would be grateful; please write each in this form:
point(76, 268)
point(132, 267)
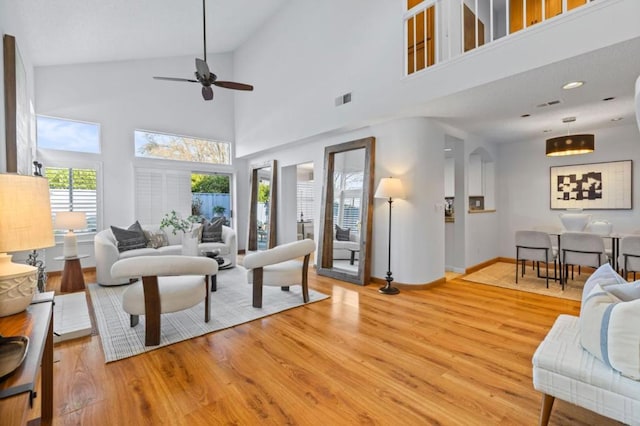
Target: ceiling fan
point(202, 73)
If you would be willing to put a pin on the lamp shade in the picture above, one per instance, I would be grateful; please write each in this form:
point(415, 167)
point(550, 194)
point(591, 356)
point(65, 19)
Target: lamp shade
point(389, 188)
point(25, 224)
point(71, 220)
point(25, 213)
point(570, 145)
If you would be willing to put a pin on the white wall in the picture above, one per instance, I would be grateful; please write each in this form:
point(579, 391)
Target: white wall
point(122, 97)
point(356, 46)
point(411, 149)
point(523, 183)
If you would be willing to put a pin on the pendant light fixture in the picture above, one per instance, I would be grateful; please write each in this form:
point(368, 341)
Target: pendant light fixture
point(570, 144)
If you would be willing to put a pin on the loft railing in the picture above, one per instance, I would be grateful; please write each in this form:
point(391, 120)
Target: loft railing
point(438, 30)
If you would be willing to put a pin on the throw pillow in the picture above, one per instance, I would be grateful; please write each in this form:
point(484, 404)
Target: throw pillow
point(609, 331)
point(131, 238)
point(604, 276)
point(156, 239)
point(625, 292)
point(342, 234)
point(212, 231)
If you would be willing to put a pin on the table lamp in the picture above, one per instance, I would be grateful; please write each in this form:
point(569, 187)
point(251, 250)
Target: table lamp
point(70, 221)
point(25, 224)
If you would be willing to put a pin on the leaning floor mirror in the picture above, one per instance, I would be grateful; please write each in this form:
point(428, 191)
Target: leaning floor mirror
point(262, 211)
point(344, 247)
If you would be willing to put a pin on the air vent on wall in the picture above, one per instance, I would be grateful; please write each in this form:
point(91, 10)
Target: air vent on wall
point(344, 99)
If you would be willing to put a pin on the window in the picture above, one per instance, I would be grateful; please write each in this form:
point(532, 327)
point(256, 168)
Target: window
point(67, 135)
point(181, 148)
point(348, 193)
point(74, 189)
point(420, 35)
point(305, 200)
point(210, 196)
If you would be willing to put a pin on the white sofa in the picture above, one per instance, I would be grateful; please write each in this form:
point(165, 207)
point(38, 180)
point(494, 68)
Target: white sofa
point(342, 249)
point(106, 250)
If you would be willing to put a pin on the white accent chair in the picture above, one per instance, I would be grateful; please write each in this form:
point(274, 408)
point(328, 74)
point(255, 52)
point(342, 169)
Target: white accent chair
point(563, 369)
point(629, 256)
point(169, 284)
point(280, 267)
point(535, 246)
point(582, 249)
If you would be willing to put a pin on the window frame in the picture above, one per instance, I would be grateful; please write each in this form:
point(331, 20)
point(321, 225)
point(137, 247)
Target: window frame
point(38, 147)
point(186, 162)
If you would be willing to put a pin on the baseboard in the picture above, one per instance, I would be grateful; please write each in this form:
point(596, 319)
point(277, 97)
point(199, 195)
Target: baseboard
point(482, 265)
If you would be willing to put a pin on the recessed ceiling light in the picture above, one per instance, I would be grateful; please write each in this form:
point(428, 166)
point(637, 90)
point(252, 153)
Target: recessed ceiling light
point(448, 149)
point(572, 85)
point(525, 115)
point(617, 119)
point(610, 98)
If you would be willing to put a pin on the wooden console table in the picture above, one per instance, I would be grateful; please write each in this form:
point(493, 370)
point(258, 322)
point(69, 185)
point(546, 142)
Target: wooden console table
point(17, 392)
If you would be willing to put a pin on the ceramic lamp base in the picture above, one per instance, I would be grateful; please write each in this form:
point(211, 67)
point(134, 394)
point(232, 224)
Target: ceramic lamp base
point(70, 248)
point(18, 284)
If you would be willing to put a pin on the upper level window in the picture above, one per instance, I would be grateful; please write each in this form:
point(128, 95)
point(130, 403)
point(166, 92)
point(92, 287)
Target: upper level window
point(182, 148)
point(67, 135)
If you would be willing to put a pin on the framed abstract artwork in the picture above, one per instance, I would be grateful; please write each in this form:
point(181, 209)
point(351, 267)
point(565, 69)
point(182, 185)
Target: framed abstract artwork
point(595, 186)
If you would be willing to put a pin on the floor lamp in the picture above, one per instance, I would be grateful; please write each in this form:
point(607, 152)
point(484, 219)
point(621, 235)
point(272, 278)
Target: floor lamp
point(389, 188)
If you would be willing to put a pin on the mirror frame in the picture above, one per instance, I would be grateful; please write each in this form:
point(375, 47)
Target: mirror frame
point(252, 232)
point(325, 242)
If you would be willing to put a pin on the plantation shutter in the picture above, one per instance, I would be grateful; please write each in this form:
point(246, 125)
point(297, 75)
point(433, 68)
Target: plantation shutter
point(159, 191)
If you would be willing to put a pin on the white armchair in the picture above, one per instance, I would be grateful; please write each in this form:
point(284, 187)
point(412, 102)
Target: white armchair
point(169, 284)
point(279, 267)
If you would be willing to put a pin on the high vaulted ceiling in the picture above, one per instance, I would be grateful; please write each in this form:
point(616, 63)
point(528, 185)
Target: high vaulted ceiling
point(79, 31)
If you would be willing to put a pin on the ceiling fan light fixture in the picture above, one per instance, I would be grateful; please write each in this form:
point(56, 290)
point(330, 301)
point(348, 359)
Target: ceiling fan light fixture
point(570, 145)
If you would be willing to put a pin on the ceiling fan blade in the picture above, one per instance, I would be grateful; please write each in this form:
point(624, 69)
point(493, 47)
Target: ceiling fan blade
point(233, 85)
point(207, 93)
point(202, 68)
point(176, 79)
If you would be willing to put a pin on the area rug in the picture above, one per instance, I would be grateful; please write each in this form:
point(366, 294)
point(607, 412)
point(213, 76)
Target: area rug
point(230, 306)
point(502, 274)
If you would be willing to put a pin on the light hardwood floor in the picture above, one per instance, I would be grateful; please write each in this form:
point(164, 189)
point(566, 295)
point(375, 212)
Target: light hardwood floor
point(457, 353)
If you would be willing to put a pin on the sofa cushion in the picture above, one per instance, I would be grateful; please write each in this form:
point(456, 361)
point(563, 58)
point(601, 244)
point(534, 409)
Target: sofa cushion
point(146, 251)
point(212, 231)
point(156, 239)
point(173, 249)
point(342, 234)
point(131, 238)
point(609, 330)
